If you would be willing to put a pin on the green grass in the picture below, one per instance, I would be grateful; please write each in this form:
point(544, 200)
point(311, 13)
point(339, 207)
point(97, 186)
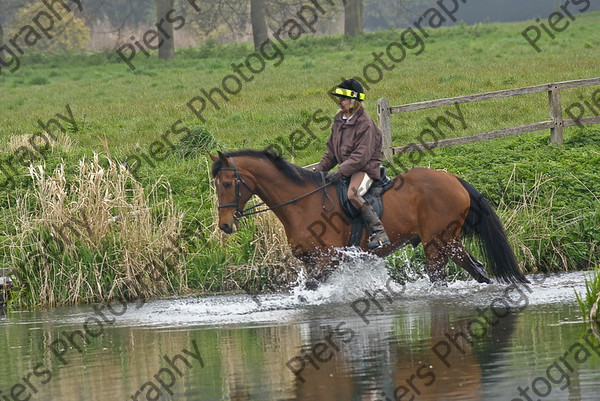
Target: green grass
point(128, 107)
point(547, 196)
point(592, 289)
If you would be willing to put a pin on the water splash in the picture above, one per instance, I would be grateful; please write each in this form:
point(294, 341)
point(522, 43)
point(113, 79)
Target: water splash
point(359, 274)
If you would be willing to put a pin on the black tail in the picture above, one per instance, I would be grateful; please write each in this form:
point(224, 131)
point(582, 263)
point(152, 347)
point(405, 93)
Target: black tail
point(484, 223)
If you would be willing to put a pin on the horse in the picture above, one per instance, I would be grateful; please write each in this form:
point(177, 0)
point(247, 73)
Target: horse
point(425, 206)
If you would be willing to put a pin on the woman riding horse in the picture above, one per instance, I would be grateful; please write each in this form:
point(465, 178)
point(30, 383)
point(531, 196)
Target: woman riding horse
point(426, 206)
point(355, 144)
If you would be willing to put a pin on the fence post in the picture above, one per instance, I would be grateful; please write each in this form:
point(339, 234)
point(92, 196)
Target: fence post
point(556, 132)
point(383, 122)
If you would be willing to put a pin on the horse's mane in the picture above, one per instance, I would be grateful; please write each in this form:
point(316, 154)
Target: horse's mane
point(297, 174)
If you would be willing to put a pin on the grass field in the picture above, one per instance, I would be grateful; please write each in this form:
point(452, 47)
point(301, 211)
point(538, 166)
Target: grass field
point(548, 197)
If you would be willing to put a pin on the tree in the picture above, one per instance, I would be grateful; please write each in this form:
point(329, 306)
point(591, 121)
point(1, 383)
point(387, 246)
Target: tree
point(259, 22)
point(211, 19)
point(386, 14)
point(7, 13)
point(69, 33)
point(121, 12)
point(1, 41)
point(236, 19)
point(166, 49)
point(353, 17)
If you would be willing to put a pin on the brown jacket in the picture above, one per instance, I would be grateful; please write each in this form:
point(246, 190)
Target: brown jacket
point(354, 145)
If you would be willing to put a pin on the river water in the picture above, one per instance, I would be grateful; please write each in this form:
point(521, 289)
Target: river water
point(358, 337)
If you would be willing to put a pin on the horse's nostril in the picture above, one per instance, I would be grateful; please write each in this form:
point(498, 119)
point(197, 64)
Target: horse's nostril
point(226, 228)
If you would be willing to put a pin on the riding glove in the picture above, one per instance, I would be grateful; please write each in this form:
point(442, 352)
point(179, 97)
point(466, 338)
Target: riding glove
point(333, 176)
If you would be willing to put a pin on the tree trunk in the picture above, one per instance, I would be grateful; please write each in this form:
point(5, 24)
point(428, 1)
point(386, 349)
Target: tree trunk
point(1, 40)
point(259, 22)
point(353, 17)
point(167, 49)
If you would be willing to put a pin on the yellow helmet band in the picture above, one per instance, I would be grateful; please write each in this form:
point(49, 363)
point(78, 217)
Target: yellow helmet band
point(348, 93)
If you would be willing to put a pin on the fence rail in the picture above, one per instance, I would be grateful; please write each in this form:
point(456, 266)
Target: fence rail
point(556, 123)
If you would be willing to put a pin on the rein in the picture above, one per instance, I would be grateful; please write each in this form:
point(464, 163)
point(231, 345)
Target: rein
point(238, 214)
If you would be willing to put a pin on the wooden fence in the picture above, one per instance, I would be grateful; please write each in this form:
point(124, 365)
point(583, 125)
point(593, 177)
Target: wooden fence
point(555, 124)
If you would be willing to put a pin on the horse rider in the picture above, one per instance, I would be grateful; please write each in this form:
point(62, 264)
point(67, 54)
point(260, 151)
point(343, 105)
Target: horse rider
point(355, 144)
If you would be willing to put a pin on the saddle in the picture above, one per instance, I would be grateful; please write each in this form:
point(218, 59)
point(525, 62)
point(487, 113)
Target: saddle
point(373, 196)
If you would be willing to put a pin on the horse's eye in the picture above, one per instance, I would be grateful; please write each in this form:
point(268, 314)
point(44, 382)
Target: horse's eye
point(227, 185)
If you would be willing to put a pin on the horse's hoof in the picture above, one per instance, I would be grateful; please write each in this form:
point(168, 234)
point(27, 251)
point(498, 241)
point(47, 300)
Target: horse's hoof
point(311, 284)
point(302, 298)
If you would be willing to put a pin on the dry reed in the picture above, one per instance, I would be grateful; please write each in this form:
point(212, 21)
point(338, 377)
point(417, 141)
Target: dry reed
point(100, 237)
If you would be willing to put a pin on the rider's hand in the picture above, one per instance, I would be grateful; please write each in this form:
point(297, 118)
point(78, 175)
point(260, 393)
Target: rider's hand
point(333, 176)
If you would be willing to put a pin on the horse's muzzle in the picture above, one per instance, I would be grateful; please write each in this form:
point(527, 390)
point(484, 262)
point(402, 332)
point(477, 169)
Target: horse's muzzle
point(226, 228)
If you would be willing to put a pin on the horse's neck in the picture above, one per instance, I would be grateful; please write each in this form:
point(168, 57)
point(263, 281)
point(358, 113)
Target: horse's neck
point(274, 188)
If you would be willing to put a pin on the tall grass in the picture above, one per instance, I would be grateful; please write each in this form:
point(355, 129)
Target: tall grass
point(540, 231)
point(589, 302)
point(272, 265)
point(98, 237)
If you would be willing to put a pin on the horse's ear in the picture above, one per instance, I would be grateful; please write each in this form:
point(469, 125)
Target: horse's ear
point(223, 158)
point(212, 157)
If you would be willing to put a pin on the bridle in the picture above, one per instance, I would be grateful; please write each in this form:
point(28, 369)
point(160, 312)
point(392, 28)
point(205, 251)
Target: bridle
point(239, 181)
point(238, 190)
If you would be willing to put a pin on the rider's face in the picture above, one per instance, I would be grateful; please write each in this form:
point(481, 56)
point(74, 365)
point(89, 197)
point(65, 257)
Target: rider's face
point(345, 104)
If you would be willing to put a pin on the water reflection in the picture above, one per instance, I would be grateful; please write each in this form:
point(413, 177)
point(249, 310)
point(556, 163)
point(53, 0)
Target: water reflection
point(430, 356)
point(415, 349)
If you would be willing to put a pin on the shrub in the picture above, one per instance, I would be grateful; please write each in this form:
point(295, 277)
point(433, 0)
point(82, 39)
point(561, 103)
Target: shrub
point(197, 141)
point(70, 32)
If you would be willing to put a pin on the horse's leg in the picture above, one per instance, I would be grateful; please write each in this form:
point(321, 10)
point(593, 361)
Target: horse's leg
point(436, 262)
point(464, 259)
point(319, 268)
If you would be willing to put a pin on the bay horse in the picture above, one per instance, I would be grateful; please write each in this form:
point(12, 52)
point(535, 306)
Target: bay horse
point(426, 206)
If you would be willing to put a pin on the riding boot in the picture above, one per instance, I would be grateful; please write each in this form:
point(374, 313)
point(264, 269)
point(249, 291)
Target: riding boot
point(377, 236)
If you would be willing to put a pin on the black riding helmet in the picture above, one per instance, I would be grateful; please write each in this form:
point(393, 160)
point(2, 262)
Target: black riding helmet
point(351, 89)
